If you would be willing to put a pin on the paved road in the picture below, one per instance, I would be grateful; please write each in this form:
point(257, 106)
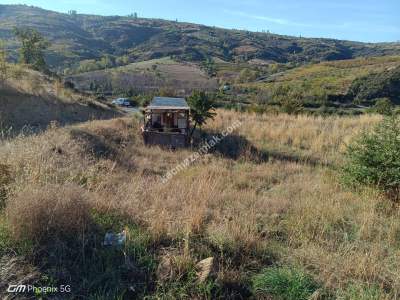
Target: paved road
point(130, 110)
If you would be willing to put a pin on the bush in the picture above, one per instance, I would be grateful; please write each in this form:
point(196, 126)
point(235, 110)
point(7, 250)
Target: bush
point(291, 106)
point(373, 159)
point(384, 106)
point(284, 283)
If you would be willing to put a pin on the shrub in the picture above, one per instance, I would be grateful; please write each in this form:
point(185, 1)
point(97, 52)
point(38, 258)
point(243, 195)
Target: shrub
point(291, 106)
point(383, 106)
point(373, 159)
point(44, 214)
point(284, 283)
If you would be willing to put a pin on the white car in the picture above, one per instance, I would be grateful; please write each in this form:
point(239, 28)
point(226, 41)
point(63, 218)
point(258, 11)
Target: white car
point(122, 102)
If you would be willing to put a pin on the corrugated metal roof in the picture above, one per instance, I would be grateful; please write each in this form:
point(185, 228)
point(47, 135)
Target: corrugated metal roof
point(167, 102)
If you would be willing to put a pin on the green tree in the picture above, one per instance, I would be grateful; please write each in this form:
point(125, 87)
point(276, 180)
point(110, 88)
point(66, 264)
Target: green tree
point(32, 49)
point(3, 63)
point(107, 62)
point(373, 159)
point(201, 108)
point(122, 60)
point(209, 66)
point(247, 75)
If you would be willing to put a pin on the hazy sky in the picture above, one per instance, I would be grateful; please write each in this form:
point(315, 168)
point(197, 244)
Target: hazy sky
point(362, 20)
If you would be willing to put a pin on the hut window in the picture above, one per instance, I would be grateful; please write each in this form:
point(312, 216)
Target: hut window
point(156, 118)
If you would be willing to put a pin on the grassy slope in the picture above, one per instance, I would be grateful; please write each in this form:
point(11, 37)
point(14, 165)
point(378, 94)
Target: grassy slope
point(267, 195)
point(315, 84)
point(31, 99)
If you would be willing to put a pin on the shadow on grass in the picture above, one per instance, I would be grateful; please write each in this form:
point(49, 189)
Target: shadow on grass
point(238, 147)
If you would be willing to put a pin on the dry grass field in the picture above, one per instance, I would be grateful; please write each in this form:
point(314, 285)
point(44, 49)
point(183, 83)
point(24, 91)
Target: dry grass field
point(266, 197)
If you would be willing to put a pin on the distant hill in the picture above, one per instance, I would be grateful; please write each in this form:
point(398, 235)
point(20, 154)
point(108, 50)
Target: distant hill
point(79, 37)
point(340, 84)
point(146, 76)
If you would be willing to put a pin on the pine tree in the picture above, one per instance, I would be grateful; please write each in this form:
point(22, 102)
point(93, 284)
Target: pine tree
point(32, 48)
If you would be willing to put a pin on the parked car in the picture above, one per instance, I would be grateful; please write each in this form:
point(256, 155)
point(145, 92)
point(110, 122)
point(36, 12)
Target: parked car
point(122, 102)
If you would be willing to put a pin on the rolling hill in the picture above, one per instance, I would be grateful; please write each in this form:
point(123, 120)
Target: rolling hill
point(79, 37)
point(329, 81)
point(146, 76)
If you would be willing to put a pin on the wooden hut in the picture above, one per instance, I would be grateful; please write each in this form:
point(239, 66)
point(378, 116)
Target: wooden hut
point(166, 122)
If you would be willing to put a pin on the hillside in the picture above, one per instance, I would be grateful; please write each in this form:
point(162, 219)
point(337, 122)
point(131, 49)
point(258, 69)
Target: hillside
point(326, 83)
point(315, 85)
point(79, 37)
point(31, 101)
point(146, 76)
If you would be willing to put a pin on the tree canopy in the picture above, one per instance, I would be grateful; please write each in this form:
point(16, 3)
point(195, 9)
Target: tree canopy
point(201, 108)
point(32, 48)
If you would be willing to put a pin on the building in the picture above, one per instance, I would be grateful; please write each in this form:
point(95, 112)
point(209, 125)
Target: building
point(166, 122)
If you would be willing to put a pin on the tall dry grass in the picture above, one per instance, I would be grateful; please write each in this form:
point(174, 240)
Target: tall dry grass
point(248, 213)
point(46, 214)
point(323, 138)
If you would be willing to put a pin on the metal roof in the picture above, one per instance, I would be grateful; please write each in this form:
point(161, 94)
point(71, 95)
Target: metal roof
point(168, 103)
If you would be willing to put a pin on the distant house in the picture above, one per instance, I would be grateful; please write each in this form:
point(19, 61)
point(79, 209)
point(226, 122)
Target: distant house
point(166, 122)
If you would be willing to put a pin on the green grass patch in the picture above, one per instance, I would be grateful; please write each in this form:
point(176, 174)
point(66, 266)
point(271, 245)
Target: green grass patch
point(284, 283)
point(362, 292)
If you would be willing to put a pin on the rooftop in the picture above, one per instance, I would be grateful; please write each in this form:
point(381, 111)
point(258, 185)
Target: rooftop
point(168, 103)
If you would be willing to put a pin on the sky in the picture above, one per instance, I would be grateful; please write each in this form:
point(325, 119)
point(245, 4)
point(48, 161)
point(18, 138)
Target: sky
point(357, 20)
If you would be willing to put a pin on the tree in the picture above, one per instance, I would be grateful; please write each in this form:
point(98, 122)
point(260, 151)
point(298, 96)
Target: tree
point(167, 92)
point(373, 159)
point(3, 63)
point(107, 62)
point(122, 60)
point(201, 109)
point(247, 75)
point(209, 66)
point(32, 49)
